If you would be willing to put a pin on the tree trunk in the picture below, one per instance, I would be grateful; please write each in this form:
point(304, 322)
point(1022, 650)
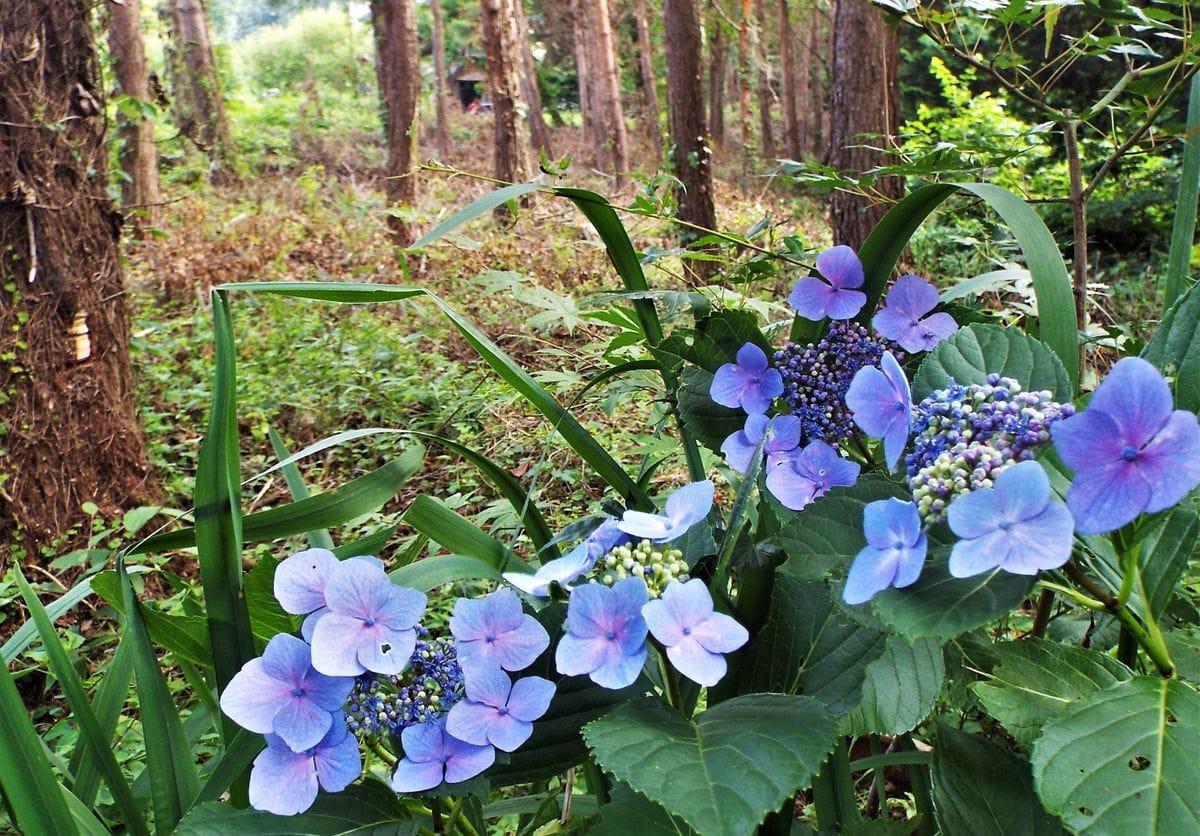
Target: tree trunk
point(716, 74)
point(397, 52)
point(583, 76)
point(689, 134)
point(71, 431)
point(864, 108)
point(607, 81)
point(441, 86)
point(138, 154)
point(499, 23)
point(745, 9)
point(531, 92)
point(199, 108)
point(789, 83)
point(766, 97)
point(649, 81)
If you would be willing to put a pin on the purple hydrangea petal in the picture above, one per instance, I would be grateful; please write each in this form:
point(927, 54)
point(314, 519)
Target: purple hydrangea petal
point(749, 383)
point(979, 555)
point(752, 358)
point(470, 721)
point(844, 304)
point(358, 588)
point(690, 504)
point(811, 298)
point(606, 633)
point(626, 599)
point(530, 697)
point(467, 761)
point(662, 623)
point(416, 776)
point(327, 692)
point(792, 488)
point(720, 633)
point(335, 645)
point(1171, 462)
point(1136, 396)
point(822, 464)
point(872, 571)
point(476, 618)
point(973, 514)
point(1108, 496)
point(783, 433)
point(300, 580)
point(842, 266)
point(381, 649)
point(490, 686)
point(890, 522)
point(911, 562)
point(424, 742)
point(739, 447)
point(895, 554)
point(286, 658)
point(282, 782)
point(882, 405)
point(579, 656)
point(695, 637)
point(696, 663)
point(689, 603)
point(310, 623)
point(588, 612)
point(1023, 493)
point(518, 648)
point(252, 698)
point(403, 608)
point(301, 724)
point(930, 331)
point(646, 526)
point(337, 760)
point(508, 733)
point(1086, 439)
point(1040, 542)
point(620, 669)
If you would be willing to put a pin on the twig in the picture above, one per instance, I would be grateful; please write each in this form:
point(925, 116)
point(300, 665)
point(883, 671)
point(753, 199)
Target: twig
point(33, 258)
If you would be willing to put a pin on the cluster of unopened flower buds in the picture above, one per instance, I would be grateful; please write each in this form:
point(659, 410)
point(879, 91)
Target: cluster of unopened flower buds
point(657, 565)
point(424, 692)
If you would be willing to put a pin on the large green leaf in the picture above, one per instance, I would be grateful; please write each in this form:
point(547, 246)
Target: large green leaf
point(703, 417)
point(366, 808)
point(1183, 231)
point(970, 354)
point(627, 812)
point(982, 789)
point(901, 686)
point(1175, 348)
point(809, 646)
point(1037, 680)
point(724, 770)
point(1124, 760)
point(1164, 557)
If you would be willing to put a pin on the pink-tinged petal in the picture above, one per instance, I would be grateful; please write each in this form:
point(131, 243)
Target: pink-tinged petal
point(872, 571)
point(1106, 497)
point(300, 724)
point(338, 764)
point(588, 611)
point(690, 603)
point(1136, 396)
point(576, 657)
point(518, 648)
point(470, 721)
point(1086, 439)
point(386, 651)
point(357, 587)
point(469, 619)
point(974, 557)
point(1022, 491)
point(811, 298)
point(790, 487)
point(645, 526)
point(403, 608)
point(300, 580)
point(973, 514)
point(468, 762)
point(1041, 542)
point(752, 358)
point(1171, 462)
point(696, 663)
point(286, 658)
point(844, 304)
point(720, 633)
point(335, 643)
point(841, 265)
point(662, 622)
point(252, 699)
point(619, 669)
point(530, 698)
point(414, 776)
point(283, 782)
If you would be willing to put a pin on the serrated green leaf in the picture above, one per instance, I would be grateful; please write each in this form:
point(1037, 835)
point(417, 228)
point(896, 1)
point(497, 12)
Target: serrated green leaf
point(1124, 760)
point(901, 686)
point(970, 354)
point(723, 771)
point(982, 789)
point(1164, 557)
point(1037, 680)
point(1184, 647)
point(629, 812)
point(1175, 348)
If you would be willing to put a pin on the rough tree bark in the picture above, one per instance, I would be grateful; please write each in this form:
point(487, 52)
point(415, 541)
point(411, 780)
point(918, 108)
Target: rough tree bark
point(70, 431)
point(397, 53)
point(138, 155)
point(531, 91)
point(499, 23)
point(864, 111)
point(607, 80)
point(199, 108)
point(716, 74)
point(789, 84)
point(766, 96)
point(689, 133)
point(441, 87)
point(583, 76)
point(649, 80)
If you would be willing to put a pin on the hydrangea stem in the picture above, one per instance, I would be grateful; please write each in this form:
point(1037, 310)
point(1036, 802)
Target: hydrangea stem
point(833, 791)
point(737, 518)
point(670, 678)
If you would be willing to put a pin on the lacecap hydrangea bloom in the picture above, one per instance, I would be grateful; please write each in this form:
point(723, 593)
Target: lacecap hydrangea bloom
point(498, 712)
point(835, 296)
point(695, 637)
point(494, 633)
point(433, 755)
point(749, 384)
point(779, 436)
point(805, 476)
point(605, 633)
point(563, 571)
point(882, 405)
point(894, 554)
point(903, 318)
point(685, 507)
point(285, 782)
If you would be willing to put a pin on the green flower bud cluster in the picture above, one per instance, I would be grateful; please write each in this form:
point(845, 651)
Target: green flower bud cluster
point(958, 470)
point(657, 565)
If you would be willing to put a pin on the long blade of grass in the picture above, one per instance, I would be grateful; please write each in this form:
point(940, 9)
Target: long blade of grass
point(30, 786)
point(1183, 231)
point(369, 545)
point(230, 765)
point(110, 699)
point(357, 497)
point(442, 525)
point(317, 538)
point(169, 762)
point(474, 210)
point(91, 735)
point(85, 819)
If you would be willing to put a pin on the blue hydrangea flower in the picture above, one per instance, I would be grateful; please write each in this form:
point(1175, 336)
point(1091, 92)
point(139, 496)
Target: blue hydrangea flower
point(498, 711)
point(696, 638)
point(894, 554)
point(432, 755)
point(605, 634)
point(370, 623)
point(815, 299)
point(882, 405)
point(1131, 450)
point(782, 435)
point(285, 782)
point(1014, 526)
point(494, 633)
point(749, 384)
point(566, 569)
point(903, 319)
point(686, 507)
point(281, 693)
point(798, 481)
point(300, 580)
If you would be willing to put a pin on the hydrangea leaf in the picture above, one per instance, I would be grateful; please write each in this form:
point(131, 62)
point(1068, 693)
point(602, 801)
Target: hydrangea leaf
point(1175, 349)
point(809, 646)
point(1184, 646)
point(982, 789)
point(970, 354)
point(900, 687)
point(704, 418)
point(1165, 554)
point(267, 618)
point(1124, 760)
point(1037, 680)
point(942, 607)
point(628, 812)
point(723, 771)
point(715, 341)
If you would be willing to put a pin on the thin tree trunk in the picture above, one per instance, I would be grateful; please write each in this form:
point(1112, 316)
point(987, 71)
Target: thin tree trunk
point(746, 8)
point(612, 114)
point(138, 155)
point(716, 74)
point(766, 97)
point(499, 23)
point(72, 433)
point(789, 83)
point(440, 88)
point(649, 80)
point(402, 83)
point(689, 133)
point(583, 75)
point(200, 110)
point(864, 108)
point(379, 35)
point(531, 93)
